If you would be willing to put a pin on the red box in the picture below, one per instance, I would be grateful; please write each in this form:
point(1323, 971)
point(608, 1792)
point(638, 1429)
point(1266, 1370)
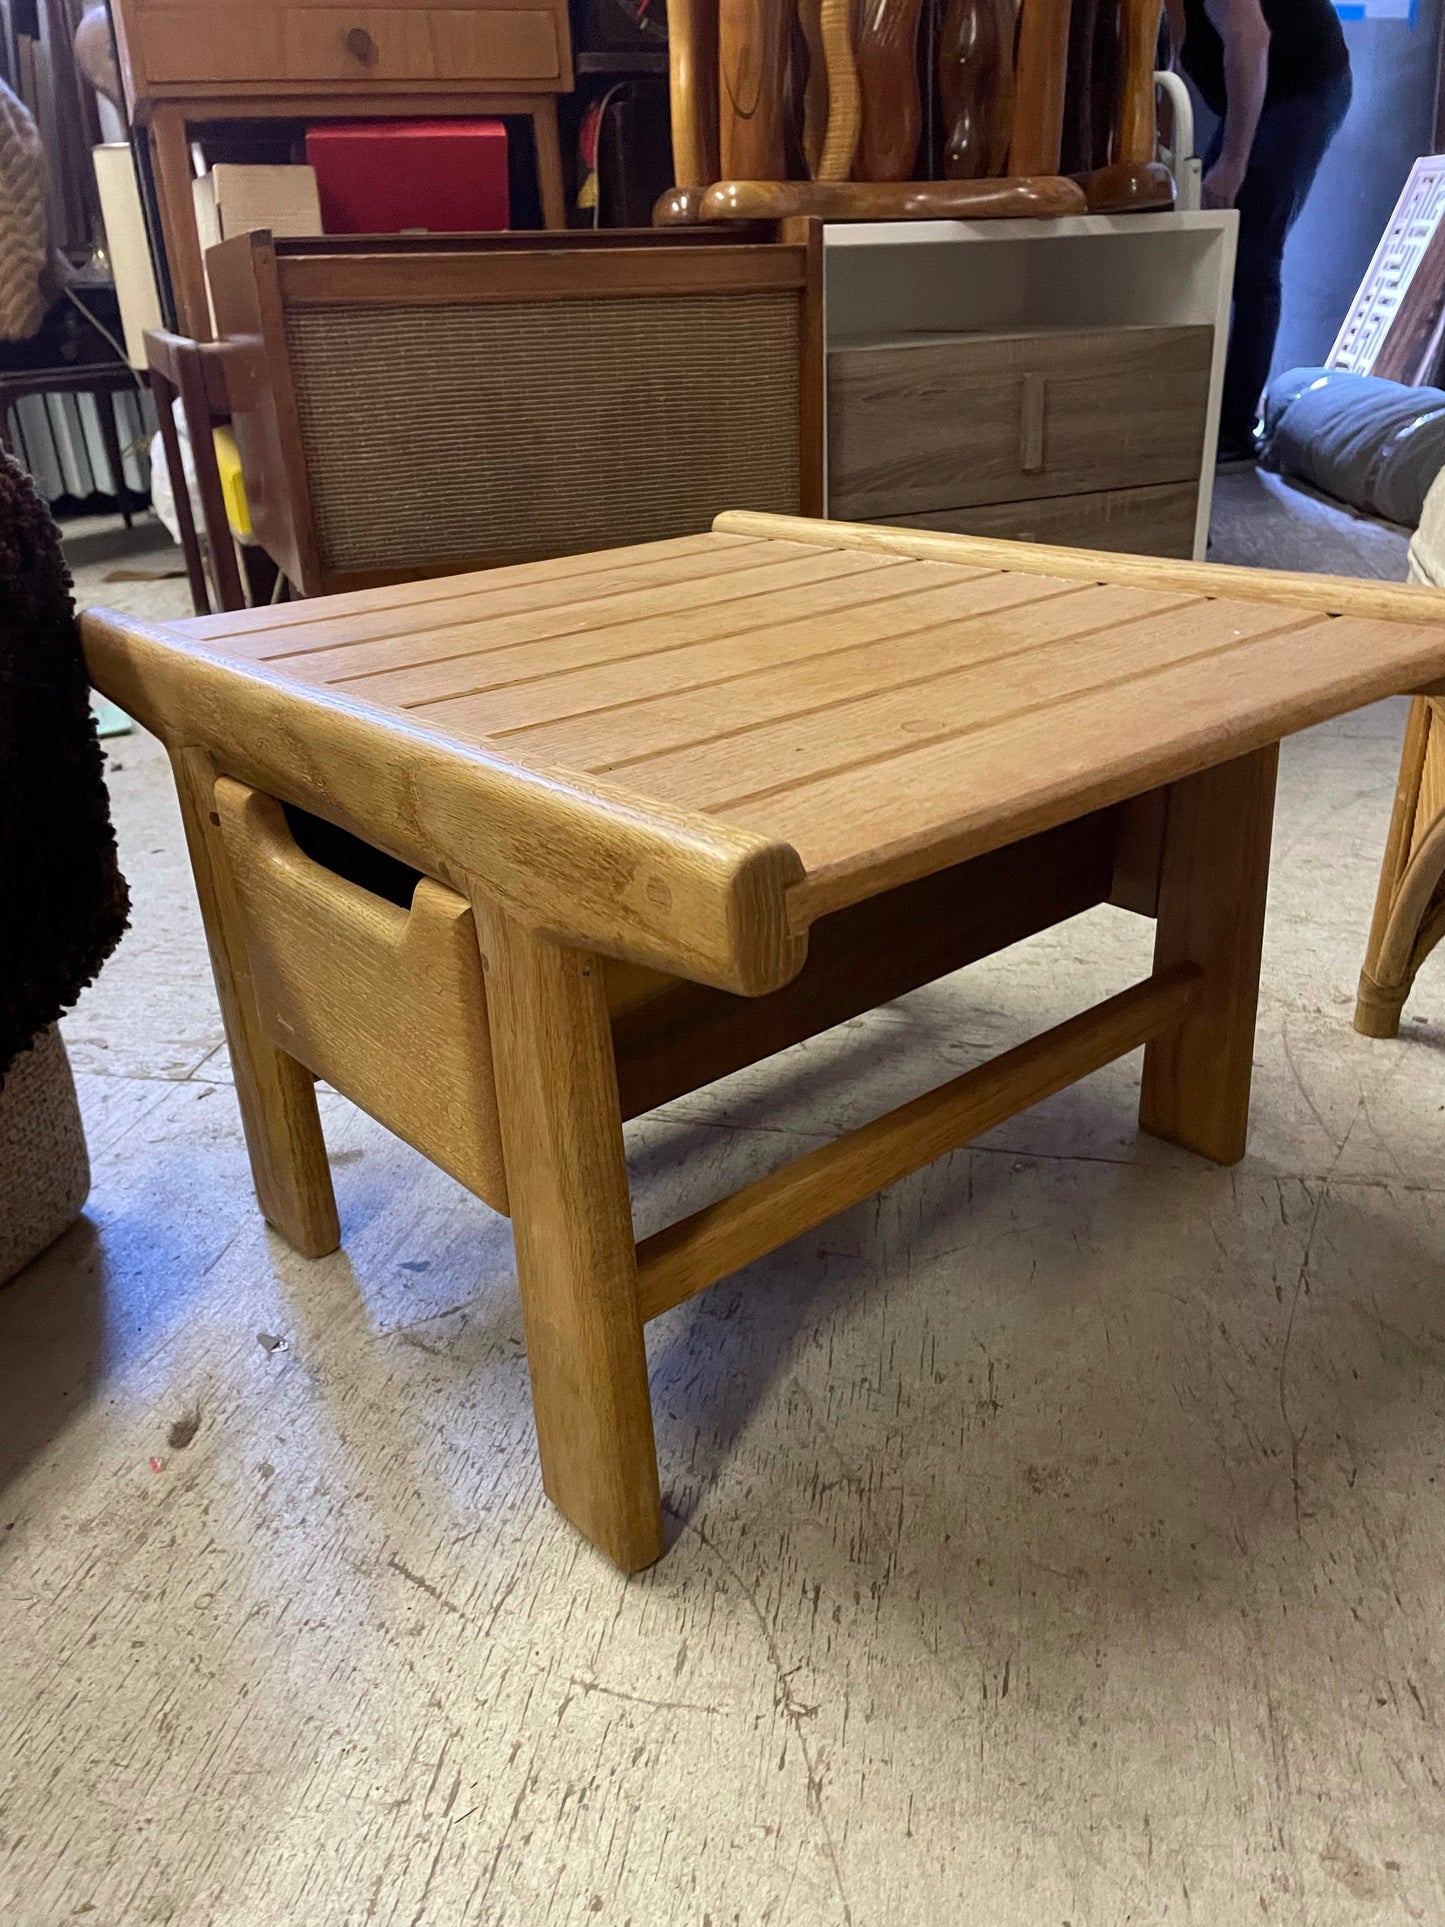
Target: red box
point(385, 176)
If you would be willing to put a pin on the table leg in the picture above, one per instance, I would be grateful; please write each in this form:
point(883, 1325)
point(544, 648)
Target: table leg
point(1213, 884)
point(277, 1095)
point(572, 1224)
point(550, 188)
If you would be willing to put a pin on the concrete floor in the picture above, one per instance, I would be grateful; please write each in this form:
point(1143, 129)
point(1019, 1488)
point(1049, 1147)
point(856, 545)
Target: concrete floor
point(1057, 1538)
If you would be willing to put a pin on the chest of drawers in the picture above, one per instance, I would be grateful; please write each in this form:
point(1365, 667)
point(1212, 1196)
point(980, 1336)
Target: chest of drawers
point(190, 61)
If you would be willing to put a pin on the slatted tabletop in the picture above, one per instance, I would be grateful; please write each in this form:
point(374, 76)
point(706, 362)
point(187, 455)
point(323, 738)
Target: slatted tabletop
point(881, 714)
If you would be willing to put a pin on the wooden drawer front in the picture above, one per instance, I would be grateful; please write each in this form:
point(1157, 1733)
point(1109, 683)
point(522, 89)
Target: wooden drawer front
point(1140, 521)
point(277, 46)
point(945, 421)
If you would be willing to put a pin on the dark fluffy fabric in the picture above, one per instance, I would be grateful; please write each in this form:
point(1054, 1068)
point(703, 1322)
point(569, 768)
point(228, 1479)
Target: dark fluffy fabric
point(63, 900)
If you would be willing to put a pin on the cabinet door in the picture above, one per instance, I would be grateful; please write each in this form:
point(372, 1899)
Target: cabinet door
point(948, 421)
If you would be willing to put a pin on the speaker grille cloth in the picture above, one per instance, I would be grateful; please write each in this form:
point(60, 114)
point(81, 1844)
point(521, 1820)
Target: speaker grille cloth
point(440, 434)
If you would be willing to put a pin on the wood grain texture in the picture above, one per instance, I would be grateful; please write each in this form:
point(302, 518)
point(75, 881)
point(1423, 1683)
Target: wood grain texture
point(165, 134)
point(949, 421)
point(1039, 77)
point(1324, 594)
point(975, 87)
point(1044, 665)
point(824, 200)
point(1212, 888)
point(549, 273)
point(1136, 138)
point(706, 805)
point(199, 46)
point(1137, 521)
point(572, 1226)
point(245, 289)
point(387, 1005)
point(845, 100)
point(197, 61)
point(815, 87)
point(276, 1094)
point(1125, 187)
point(687, 1257)
point(692, 77)
point(632, 883)
point(752, 75)
point(885, 51)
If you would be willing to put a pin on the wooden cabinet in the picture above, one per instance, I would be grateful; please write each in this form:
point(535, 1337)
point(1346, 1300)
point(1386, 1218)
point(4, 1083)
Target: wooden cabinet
point(177, 46)
point(188, 61)
point(920, 427)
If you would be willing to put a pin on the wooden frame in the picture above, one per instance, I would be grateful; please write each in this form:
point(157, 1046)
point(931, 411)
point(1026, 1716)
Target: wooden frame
point(191, 373)
point(635, 944)
point(257, 282)
point(238, 63)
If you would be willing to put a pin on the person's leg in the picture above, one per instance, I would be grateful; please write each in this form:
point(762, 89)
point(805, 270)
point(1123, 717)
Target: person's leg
point(1288, 148)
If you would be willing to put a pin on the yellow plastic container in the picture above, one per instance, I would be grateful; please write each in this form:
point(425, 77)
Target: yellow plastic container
point(233, 485)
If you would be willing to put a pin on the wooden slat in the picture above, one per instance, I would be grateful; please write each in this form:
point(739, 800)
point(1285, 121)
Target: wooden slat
point(605, 709)
point(566, 275)
point(1323, 594)
point(407, 596)
point(469, 655)
point(516, 687)
point(399, 635)
point(594, 866)
point(857, 834)
point(721, 1238)
point(821, 687)
point(1028, 671)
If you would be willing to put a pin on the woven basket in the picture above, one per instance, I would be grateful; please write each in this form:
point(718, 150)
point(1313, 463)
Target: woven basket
point(44, 1169)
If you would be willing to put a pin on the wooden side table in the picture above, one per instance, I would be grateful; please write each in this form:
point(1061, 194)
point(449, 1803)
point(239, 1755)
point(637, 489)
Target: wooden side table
point(671, 809)
point(189, 61)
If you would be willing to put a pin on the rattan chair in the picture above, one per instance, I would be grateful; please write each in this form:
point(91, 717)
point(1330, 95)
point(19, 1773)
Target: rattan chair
point(1409, 915)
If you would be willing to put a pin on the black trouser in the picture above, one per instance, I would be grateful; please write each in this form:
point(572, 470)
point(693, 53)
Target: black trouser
point(1289, 145)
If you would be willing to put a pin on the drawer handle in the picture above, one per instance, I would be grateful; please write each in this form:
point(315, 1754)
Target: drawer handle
point(1031, 425)
point(361, 46)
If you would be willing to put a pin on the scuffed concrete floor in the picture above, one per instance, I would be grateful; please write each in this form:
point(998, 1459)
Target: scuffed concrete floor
point(1057, 1539)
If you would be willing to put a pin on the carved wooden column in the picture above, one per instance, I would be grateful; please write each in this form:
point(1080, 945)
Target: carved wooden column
point(885, 49)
